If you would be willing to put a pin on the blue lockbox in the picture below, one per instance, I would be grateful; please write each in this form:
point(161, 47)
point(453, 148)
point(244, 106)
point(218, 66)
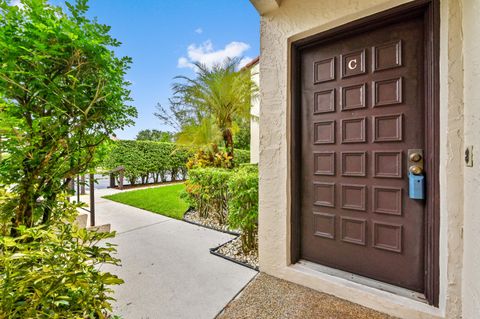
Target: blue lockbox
point(416, 189)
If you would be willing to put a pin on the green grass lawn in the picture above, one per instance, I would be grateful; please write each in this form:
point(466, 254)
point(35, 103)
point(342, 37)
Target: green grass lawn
point(164, 200)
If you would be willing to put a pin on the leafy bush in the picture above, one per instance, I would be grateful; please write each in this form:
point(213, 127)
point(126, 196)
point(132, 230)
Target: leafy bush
point(241, 157)
point(148, 160)
point(52, 271)
point(220, 158)
point(248, 167)
point(241, 138)
point(62, 93)
point(243, 204)
point(208, 193)
point(205, 158)
point(228, 195)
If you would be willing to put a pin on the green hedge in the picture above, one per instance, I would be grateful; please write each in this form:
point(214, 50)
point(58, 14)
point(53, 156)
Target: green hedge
point(241, 157)
point(148, 160)
point(243, 204)
point(230, 196)
point(207, 191)
point(152, 161)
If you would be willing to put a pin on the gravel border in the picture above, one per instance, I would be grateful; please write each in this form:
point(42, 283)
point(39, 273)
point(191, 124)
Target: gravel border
point(206, 225)
point(214, 251)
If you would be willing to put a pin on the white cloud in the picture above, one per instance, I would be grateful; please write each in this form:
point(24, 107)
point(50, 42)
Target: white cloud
point(17, 3)
point(244, 61)
point(198, 30)
point(206, 54)
point(183, 63)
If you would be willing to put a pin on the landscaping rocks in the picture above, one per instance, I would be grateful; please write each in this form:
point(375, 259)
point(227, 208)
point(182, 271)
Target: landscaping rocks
point(233, 249)
point(209, 222)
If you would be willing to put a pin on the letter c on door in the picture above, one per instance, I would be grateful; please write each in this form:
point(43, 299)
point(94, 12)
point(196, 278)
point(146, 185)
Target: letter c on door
point(352, 65)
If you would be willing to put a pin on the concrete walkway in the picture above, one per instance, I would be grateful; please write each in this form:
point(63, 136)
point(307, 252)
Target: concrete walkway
point(166, 264)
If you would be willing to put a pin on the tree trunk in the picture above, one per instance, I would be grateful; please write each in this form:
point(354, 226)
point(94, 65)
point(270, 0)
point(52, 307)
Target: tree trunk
point(82, 185)
point(228, 139)
point(26, 205)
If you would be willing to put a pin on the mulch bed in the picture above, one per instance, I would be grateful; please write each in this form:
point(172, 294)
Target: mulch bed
point(231, 250)
point(267, 297)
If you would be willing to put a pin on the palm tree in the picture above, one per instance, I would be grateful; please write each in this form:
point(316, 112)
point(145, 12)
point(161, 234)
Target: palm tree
point(198, 135)
point(223, 93)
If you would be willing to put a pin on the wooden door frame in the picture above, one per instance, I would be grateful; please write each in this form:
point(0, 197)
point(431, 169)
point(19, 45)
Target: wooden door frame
point(429, 10)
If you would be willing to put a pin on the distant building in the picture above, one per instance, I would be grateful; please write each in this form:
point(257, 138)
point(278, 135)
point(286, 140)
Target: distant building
point(255, 113)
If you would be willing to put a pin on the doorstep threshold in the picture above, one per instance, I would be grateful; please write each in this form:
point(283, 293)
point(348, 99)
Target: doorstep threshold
point(372, 283)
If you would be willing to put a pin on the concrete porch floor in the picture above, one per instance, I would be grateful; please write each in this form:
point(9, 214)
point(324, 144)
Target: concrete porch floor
point(267, 297)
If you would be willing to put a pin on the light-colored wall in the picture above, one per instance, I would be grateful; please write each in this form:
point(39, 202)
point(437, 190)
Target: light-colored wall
point(471, 256)
point(296, 19)
point(254, 124)
point(451, 158)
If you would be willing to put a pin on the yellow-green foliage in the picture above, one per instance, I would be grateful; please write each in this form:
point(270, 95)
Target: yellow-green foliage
point(53, 271)
point(231, 196)
point(243, 204)
point(204, 158)
point(62, 93)
point(207, 191)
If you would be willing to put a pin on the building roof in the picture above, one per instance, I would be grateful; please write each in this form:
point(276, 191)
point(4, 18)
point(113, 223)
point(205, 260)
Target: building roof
point(252, 63)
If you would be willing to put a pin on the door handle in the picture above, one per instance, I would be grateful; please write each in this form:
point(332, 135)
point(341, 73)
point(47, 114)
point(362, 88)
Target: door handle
point(415, 170)
point(416, 176)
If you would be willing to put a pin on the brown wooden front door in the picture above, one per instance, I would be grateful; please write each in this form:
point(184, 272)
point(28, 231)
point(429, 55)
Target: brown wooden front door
point(362, 107)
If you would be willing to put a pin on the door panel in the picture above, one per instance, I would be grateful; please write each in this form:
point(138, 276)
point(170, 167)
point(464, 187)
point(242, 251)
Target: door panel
point(362, 109)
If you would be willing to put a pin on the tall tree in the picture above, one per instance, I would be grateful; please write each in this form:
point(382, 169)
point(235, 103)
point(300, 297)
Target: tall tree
point(62, 93)
point(222, 93)
point(154, 135)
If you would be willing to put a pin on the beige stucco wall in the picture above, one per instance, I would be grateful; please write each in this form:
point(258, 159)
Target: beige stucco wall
point(254, 124)
point(471, 260)
point(295, 19)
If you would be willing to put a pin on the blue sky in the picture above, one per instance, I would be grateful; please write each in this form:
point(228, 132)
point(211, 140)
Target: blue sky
point(164, 36)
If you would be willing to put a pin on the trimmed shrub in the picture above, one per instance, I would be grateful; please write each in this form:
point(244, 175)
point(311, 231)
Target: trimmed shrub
point(248, 167)
point(208, 193)
point(148, 160)
point(230, 196)
point(241, 157)
point(243, 204)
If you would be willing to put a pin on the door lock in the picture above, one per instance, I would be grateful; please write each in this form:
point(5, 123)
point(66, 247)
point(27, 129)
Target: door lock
point(415, 157)
point(415, 161)
point(416, 170)
point(416, 177)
